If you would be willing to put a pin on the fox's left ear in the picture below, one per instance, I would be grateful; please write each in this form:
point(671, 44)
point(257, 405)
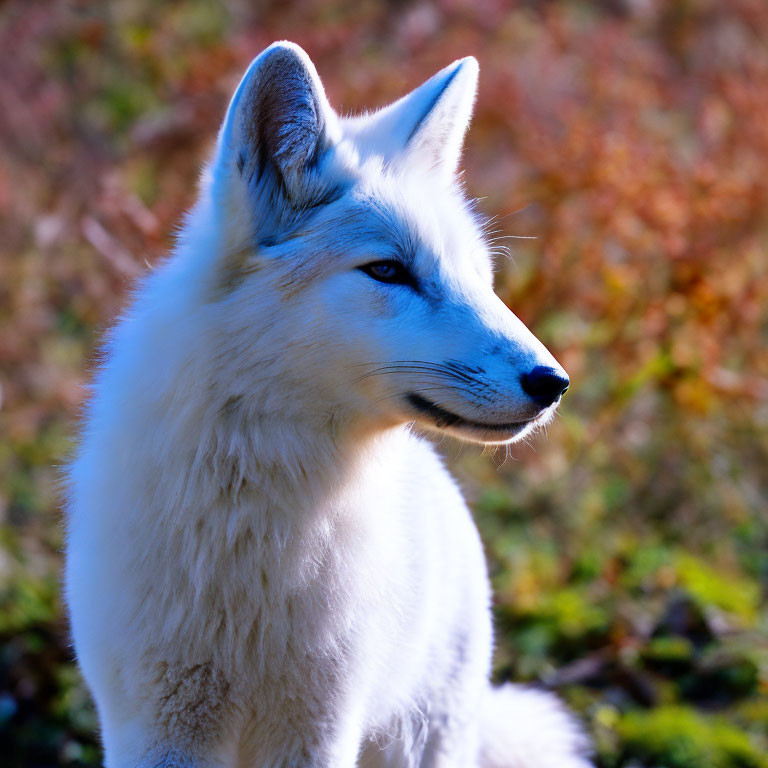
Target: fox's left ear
point(427, 126)
point(278, 127)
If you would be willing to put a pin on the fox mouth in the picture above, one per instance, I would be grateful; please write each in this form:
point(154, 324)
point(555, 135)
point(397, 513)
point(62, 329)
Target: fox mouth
point(446, 419)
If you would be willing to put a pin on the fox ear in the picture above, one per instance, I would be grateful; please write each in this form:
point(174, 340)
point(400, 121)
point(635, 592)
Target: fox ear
point(427, 126)
point(279, 124)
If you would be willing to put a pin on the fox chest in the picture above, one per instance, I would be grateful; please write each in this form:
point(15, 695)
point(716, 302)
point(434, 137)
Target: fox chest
point(254, 603)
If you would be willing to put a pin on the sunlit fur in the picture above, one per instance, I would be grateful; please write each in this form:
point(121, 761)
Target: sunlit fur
point(265, 565)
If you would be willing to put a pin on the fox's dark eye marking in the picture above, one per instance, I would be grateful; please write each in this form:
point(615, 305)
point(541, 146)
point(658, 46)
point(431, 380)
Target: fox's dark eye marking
point(389, 271)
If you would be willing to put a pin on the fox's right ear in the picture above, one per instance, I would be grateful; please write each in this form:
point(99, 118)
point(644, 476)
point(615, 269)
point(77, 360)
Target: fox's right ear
point(427, 126)
point(278, 126)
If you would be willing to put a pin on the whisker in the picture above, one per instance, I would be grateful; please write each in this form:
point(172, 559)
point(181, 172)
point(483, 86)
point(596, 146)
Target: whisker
point(421, 390)
point(422, 371)
point(447, 370)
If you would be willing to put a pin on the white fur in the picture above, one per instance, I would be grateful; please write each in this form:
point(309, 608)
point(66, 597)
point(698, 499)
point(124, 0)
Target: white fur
point(265, 565)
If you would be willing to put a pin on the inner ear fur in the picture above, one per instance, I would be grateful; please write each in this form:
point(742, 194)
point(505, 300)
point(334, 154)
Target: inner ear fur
point(278, 126)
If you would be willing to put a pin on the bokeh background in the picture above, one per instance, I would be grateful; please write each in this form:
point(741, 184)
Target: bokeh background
point(625, 143)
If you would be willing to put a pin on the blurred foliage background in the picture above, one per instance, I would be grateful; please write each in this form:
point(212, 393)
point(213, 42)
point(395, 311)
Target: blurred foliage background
point(628, 547)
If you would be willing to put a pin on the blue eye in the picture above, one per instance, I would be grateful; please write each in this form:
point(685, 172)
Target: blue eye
point(389, 271)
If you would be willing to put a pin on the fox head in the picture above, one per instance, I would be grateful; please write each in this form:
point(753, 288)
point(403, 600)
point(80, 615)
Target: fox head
point(351, 273)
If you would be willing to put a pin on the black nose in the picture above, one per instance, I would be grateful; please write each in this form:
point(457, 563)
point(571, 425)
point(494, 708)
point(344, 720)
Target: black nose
point(544, 385)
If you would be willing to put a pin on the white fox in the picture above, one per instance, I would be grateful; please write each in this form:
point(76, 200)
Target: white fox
point(266, 567)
